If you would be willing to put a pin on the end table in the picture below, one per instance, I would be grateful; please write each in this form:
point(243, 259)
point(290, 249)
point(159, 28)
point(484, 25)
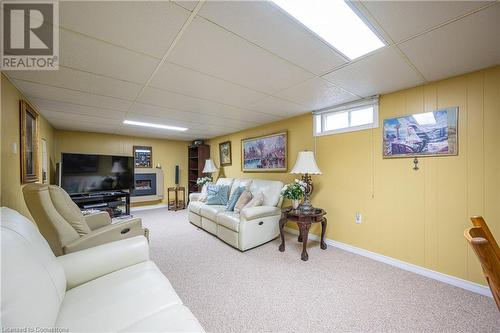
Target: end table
point(304, 221)
point(176, 198)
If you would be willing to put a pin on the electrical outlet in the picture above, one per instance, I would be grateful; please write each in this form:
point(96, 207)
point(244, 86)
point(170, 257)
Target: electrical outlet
point(357, 218)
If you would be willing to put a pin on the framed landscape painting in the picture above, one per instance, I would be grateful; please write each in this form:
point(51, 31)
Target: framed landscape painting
point(29, 143)
point(225, 153)
point(422, 134)
point(264, 154)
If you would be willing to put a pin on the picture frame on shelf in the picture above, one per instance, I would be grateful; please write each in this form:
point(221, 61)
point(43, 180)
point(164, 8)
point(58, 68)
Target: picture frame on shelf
point(225, 153)
point(266, 153)
point(29, 143)
point(143, 156)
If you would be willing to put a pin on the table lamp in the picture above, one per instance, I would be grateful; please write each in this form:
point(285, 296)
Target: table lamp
point(209, 167)
point(306, 166)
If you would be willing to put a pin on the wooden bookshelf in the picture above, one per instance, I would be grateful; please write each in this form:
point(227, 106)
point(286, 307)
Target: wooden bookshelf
point(196, 161)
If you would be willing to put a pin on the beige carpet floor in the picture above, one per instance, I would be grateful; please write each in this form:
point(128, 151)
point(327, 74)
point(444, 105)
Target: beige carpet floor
point(264, 290)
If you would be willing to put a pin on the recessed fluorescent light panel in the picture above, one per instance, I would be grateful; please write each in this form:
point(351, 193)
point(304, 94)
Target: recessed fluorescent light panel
point(336, 23)
point(140, 123)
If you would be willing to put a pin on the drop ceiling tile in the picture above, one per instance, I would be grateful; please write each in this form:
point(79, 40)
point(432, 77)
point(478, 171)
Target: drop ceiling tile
point(148, 26)
point(403, 19)
point(146, 111)
point(463, 46)
point(78, 118)
point(210, 49)
point(82, 126)
point(279, 107)
point(175, 101)
point(51, 105)
point(382, 72)
point(71, 96)
point(316, 94)
point(192, 83)
point(187, 4)
point(82, 81)
point(91, 55)
point(271, 28)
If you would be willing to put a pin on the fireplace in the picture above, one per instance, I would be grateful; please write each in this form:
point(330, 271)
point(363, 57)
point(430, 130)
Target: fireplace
point(144, 184)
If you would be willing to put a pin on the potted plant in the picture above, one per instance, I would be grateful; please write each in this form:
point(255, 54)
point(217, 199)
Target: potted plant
point(203, 180)
point(294, 191)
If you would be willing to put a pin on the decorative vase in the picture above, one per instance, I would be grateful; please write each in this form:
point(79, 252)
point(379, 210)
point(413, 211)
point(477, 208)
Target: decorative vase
point(295, 203)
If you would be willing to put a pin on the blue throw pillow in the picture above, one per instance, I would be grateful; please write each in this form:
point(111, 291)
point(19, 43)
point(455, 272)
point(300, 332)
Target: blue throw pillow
point(234, 198)
point(217, 194)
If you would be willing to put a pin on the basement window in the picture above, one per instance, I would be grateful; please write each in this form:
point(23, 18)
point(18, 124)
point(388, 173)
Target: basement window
point(349, 117)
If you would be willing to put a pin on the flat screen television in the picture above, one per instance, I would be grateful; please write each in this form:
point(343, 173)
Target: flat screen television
point(85, 173)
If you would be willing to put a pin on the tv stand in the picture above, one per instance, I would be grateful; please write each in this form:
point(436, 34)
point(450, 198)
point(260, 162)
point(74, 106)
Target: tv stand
point(103, 200)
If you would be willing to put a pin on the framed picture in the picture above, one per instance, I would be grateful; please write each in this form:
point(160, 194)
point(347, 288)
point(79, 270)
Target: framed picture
point(225, 153)
point(29, 143)
point(143, 157)
point(264, 154)
point(422, 134)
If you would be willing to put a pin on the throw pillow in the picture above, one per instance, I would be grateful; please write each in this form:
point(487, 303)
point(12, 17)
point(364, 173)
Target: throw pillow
point(203, 194)
point(245, 198)
point(217, 194)
point(257, 200)
point(234, 198)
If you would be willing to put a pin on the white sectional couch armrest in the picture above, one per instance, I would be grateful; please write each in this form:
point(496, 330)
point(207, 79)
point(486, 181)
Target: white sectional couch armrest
point(260, 211)
point(194, 196)
point(85, 265)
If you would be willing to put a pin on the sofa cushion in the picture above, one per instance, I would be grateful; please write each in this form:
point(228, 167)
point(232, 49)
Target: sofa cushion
point(270, 188)
point(217, 194)
point(257, 200)
point(230, 220)
point(195, 206)
point(68, 210)
point(210, 211)
point(234, 198)
point(225, 181)
point(204, 193)
point(33, 282)
point(241, 182)
point(117, 300)
point(245, 198)
point(176, 318)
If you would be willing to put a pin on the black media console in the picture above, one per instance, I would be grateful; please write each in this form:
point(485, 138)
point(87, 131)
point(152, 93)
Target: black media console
point(103, 201)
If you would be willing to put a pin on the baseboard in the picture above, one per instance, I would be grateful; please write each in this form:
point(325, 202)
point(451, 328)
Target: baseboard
point(454, 281)
point(148, 207)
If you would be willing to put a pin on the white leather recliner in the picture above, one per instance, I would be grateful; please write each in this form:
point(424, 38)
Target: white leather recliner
point(65, 228)
point(108, 288)
point(247, 229)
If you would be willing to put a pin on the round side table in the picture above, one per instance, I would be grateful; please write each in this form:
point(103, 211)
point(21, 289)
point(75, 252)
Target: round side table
point(304, 221)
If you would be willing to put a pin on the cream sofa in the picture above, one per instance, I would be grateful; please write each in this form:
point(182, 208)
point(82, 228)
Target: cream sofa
point(108, 288)
point(247, 229)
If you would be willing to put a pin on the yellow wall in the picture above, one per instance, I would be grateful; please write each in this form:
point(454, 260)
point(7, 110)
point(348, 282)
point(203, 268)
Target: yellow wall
point(415, 216)
point(166, 152)
point(11, 189)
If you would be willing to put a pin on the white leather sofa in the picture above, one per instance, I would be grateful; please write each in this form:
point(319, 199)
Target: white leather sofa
point(108, 288)
point(247, 229)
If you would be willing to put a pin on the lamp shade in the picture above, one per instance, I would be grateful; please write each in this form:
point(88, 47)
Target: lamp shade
point(210, 167)
point(306, 163)
point(117, 167)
